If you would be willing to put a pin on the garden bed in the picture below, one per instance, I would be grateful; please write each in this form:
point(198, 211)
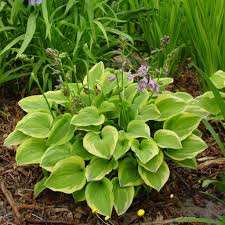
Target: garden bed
point(182, 196)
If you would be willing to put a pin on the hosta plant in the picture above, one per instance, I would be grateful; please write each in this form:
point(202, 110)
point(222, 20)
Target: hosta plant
point(103, 138)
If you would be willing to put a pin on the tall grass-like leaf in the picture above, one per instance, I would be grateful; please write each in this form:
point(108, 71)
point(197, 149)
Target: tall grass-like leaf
point(69, 5)
point(12, 43)
point(101, 27)
point(31, 27)
point(17, 5)
point(2, 5)
point(45, 16)
point(197, 220)
point(205, 21)
point(5, 28)
point(214, 135)
point(120, 33)
point(78, 38)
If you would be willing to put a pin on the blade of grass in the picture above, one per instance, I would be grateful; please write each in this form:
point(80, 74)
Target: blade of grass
point(31, 27)
point(12, 43)
point(45, 16)
point(101, 27)
point(196, 220)
point(214, 135)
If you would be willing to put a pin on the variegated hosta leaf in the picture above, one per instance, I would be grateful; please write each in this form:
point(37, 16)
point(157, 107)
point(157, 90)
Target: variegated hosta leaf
point(128, 172)
point(156, 179)
point(54, 154)
point(35, 103)
point(123, 196)
point(169, 105)
point(98, 168)
point(182, 124)
point(88, 116)
point(145, 150)
point(62, 131)
point(15, 138)
point(192, 146)
point(37, 124)
point(103, 144)
point(68, 175)
point(167, 139)
point(30, 151)
point(122, 145)
point(138, 128)
point(153, 164)
point(148, 112)
point(99, 196)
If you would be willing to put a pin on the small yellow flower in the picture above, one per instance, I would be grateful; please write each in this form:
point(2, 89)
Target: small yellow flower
point(199, 181)
point(94, 210)
point(141, 212)
point(107, 218)
point(172, 196)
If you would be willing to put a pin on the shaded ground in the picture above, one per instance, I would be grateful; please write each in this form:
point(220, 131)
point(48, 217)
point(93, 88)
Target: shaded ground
point(17, 183)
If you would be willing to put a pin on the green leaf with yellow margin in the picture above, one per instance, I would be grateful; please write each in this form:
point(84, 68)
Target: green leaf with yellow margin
point(99, 196)
point(37, 124)
point(156, 179)
point(103, 144)
point(138, 128)
point(98, 168)
point(145, 150)
point(15, 138)
point(128, 172)
point(167, 139)
point(88, 116)
point(67, 176)
point(192, 146)
point(123, 196)
point(153, 164)
point(62, 131)
point(30, 151)
point(54, 154)
point(182, 124)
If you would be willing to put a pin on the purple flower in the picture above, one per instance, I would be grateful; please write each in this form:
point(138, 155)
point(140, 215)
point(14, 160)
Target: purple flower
point(132, 76)
point(112, 78)
point(142, 71)
point(152, 85)
point(142, 84)
point(148, 84)
point(34, 2)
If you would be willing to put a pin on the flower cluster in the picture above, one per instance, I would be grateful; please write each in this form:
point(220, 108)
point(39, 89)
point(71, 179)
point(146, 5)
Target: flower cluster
point(34, 2)
point(146, 82)
point(142, 71)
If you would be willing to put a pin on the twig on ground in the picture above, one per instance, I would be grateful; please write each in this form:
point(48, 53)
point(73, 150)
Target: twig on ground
point(203, 159)
point(49, 222)
point(181, 178)
point(214, 162)
point(10, 200)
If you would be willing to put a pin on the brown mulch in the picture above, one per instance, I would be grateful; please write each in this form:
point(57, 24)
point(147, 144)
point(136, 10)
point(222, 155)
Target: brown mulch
point(19, 207)
point(186, 81)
